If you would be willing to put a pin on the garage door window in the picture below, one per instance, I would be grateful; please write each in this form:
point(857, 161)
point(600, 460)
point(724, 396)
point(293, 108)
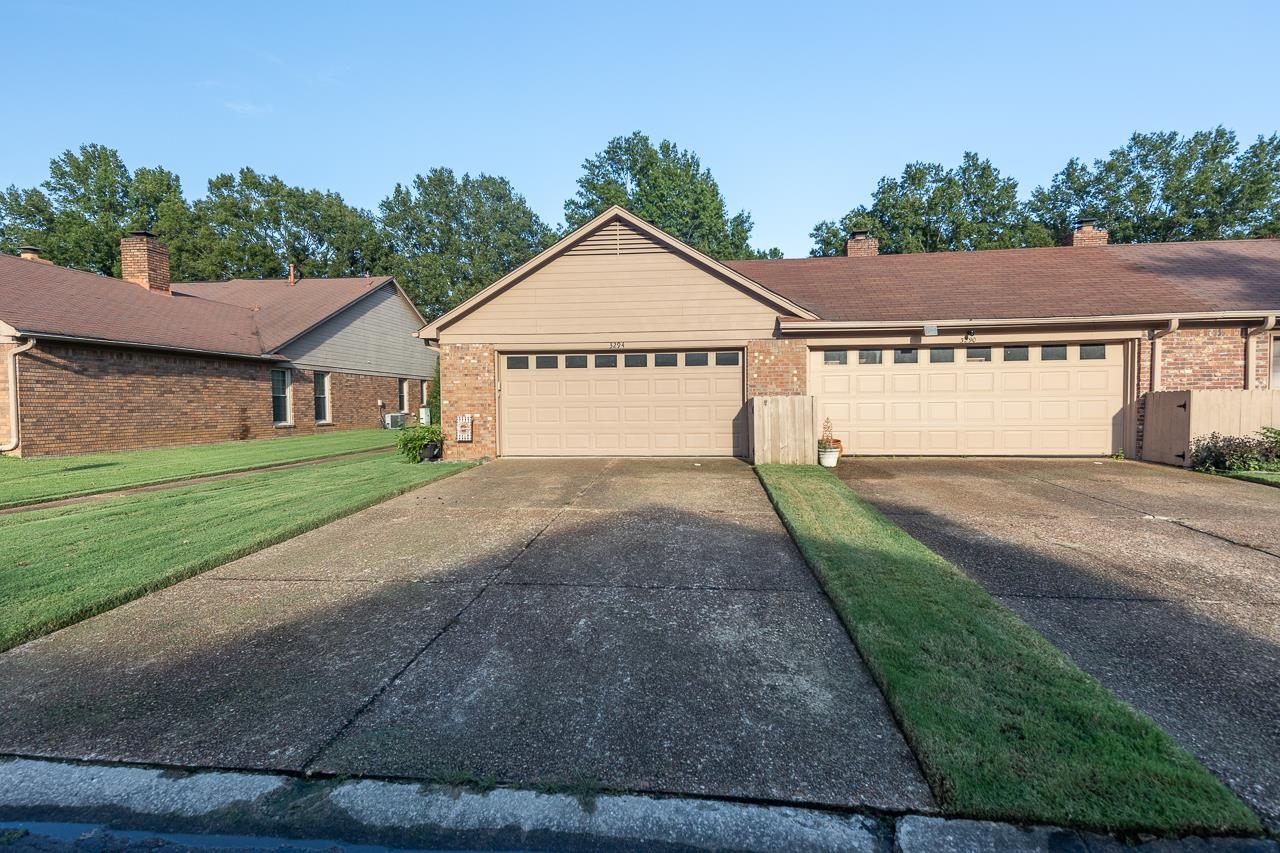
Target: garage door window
point(1053, 353)
point(1017, 353)
point(835, 356)
point(575, 361)
point(517, 362)
point(547, 362)
point(905, 356)
point(978, 354)
point(1092, 352)
point(665, 359)
point(870, 356)
point(635, 359)
point(695, 359)
point(942, 355)
point(726, 359)
point(608, 360)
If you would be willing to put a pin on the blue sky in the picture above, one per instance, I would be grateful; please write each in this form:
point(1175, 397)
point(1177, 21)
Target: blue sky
point(797, 108)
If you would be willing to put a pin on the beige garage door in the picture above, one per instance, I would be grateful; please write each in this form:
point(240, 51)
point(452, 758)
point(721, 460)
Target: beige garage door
point(621, 404)
point(1057, 400)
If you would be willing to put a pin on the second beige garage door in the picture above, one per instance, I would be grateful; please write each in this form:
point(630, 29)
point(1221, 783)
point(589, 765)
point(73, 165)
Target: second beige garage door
point(1051, 400)
point(621, 404)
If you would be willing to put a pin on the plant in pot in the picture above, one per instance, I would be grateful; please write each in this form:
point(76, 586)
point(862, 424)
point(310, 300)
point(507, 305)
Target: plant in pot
point(420, 442)
point(829, 446)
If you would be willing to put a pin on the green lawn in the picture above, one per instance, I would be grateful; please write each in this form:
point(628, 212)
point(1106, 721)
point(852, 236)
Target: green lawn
point(1266, 478)
point(62, 564)
point(28, 481)
point(1005, 726)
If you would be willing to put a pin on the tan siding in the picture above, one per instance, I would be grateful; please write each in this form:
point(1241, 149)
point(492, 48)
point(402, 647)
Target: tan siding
point(594, 297)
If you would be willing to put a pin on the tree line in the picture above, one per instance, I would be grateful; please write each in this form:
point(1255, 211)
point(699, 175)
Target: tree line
point(445, 236)
point(1157, 188)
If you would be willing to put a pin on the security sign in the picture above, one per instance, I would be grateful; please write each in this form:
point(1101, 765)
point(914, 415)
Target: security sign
point(464, 428)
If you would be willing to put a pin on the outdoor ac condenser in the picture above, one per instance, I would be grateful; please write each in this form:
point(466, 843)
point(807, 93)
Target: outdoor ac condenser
point(393, 420)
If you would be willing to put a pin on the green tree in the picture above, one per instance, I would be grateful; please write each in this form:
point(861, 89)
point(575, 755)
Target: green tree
point(89, 201)
point(449, 237)
point(253, 226)
point(930, 208)
point(668, 187)
point(1164, 187)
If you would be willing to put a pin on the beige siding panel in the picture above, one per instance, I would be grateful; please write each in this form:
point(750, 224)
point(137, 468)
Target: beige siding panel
point(684, 410)
point(594, 298)
point(1034, 407)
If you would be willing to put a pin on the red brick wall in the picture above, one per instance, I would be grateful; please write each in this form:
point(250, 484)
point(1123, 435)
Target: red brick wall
point(1199, 359)
point(82, 399)
point(777, 368)
point(468, 387)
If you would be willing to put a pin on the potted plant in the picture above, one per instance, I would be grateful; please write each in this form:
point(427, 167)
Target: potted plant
point(828, 447)
point(421, 442)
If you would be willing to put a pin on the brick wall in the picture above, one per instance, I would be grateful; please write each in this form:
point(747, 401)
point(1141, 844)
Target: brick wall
point(777, 368)
point(468, 387)
point(1199, 359)
point(4, 391)
point(82, 399)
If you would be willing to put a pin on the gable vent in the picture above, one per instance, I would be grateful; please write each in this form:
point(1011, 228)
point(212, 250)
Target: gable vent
point(617, 238)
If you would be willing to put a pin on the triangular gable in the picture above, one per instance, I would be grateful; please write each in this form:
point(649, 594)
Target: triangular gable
point(616, 231)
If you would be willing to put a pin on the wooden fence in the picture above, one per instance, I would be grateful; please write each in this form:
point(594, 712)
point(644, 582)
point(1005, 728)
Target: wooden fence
point(783, 431)
point(1174, 419)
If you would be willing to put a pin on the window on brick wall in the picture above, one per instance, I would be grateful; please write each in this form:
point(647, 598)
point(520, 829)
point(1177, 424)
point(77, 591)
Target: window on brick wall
point(1275, 364)
point(403, 389)
point(322, 397)
point(280, 409)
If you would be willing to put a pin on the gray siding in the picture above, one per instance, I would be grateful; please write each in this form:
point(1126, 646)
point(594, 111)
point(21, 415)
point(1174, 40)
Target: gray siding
point(376, 335)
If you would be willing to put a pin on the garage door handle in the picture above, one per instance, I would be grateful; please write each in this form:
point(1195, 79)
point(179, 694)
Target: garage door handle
point(1182, 406)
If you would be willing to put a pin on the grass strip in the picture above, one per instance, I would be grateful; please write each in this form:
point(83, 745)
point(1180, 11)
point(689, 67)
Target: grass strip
point(1265, 478)
point(29, 481)
point(1004, 725)
point(63, 564)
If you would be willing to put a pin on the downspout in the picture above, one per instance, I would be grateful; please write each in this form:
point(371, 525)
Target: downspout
point(14, 434)
point(1155, 351)
point(1250, 348)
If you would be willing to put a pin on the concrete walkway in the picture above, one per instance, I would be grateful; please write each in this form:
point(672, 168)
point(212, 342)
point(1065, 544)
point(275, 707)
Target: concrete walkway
point(1161, 583)
point(583, 625)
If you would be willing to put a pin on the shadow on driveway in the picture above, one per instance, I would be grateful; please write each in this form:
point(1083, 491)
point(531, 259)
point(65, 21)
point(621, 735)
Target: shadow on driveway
point(1162, 584)
point(636, 625)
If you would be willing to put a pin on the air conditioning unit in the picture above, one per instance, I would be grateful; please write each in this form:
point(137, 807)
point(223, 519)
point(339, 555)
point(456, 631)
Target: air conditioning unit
point(393, 420)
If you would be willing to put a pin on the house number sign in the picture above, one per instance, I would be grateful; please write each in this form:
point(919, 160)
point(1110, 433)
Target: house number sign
point(463, 433)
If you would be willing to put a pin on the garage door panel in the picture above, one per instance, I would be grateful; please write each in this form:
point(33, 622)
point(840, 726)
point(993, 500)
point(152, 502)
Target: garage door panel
point(673, 410)
point(1027, 406)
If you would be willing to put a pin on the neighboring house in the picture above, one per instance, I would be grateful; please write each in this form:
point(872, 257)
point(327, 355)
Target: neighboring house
point(621, 340)
point(105, 364)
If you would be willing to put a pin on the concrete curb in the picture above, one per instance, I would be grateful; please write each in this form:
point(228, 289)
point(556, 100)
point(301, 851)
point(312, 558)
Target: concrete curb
point(50, 805)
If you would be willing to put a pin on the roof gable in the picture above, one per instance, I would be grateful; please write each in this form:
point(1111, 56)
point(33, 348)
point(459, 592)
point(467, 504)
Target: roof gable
point(617, 232)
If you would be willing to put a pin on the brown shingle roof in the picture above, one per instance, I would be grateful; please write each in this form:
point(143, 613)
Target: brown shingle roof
point(284, 311)
point(242, 317)
point(1159, 278)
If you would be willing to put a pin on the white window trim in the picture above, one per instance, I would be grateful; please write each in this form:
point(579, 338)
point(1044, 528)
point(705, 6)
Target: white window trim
point(1275, 364)
point(402, 393)
point(288, 397)
point(328, 399)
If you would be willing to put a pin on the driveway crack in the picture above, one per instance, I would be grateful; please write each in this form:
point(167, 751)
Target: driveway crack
point(307, 765)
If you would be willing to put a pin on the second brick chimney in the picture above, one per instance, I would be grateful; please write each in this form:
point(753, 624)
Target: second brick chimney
point(144, 261)
point(1087, 233)
point(861, 245)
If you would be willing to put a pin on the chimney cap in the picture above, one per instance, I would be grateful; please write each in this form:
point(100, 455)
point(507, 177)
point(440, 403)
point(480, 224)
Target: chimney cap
point(142, 233)
point(29, 250)
point(859, 234)
point(1082, 221)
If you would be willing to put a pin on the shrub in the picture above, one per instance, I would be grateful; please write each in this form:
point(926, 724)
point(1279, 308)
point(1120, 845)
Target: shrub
point(414, 437)
point(1217, 452)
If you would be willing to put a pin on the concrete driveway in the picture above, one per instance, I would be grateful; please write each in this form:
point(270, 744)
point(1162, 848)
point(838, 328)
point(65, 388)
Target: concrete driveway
point(644, 625)
point(1163, 584)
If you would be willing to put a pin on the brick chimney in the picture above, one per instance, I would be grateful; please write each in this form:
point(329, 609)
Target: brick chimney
point(144, 260)
point(31, 253)
point(1087, 233)
point(861, 245)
